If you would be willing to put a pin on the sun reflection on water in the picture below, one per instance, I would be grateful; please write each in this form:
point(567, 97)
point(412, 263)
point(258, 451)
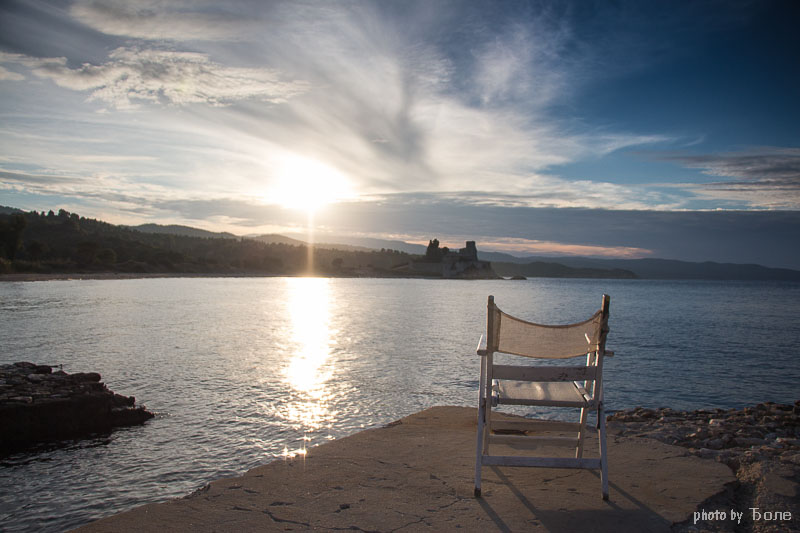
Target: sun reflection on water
point(309, 368)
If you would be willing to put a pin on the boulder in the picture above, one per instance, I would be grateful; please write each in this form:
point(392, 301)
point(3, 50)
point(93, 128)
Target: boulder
point(38, 405)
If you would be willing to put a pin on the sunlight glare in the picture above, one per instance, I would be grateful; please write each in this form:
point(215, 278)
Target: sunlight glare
point(308, 184)
point(308, 311)
point(309, 369)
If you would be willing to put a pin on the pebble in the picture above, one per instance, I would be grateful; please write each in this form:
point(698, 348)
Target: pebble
point(751, 431)
point(758, 443)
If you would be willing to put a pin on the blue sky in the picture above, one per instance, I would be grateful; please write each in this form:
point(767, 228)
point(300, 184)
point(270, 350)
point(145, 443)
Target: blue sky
point(616, 129)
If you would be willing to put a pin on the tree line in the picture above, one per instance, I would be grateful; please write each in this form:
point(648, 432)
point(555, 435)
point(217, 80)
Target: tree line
point(66, 242)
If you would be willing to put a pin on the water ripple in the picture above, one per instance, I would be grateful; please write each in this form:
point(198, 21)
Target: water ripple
point(243, 371)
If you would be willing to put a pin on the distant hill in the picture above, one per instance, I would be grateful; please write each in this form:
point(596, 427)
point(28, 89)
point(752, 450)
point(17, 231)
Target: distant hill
point(501, 257)
point(33, 242)
point(370, 243)
point(542, 269)
point(274, 238)
point(63, 241)
point(673, 269)
point(187, 231)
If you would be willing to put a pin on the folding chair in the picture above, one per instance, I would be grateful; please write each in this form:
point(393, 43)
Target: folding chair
point(545, 385)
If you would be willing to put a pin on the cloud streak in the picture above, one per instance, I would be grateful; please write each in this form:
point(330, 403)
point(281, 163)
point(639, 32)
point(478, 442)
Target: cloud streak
point(133, 76)
point(158, 20)
point(765, 177)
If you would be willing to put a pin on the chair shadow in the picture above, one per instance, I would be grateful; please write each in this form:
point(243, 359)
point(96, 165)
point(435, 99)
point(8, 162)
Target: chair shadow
point(492, 514)
point(612, 517)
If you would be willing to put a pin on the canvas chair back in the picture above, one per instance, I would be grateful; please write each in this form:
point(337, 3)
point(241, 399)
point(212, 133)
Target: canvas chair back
point(508, 334)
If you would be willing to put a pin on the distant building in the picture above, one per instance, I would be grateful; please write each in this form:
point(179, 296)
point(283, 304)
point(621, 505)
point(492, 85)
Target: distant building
point(463, 263)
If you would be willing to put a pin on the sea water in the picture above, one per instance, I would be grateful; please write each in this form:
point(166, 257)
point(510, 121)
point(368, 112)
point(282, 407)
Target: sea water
point(243, 371)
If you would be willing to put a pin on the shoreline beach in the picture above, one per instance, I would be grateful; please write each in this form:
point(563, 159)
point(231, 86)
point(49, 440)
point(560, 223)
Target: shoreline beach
point(416, 474)
point(65, 276)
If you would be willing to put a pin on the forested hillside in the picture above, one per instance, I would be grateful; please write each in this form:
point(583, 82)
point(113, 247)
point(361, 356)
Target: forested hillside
point(66, 242)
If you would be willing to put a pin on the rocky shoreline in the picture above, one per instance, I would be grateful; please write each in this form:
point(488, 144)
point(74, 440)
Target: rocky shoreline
point(38, 405)
point(761, 444)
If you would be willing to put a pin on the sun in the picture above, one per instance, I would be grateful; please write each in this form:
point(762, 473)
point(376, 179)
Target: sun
point(308, 184)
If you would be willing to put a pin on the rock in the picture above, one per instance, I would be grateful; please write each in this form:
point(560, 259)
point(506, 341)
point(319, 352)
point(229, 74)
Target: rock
point(758, 443)
point(38, 405)
point(85, 376)
point(746, 442)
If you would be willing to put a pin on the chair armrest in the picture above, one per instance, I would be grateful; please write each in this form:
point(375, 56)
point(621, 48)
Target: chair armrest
point(481, 350)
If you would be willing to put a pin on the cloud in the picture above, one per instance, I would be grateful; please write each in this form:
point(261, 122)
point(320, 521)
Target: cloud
point(159, 20)
point(133, 75)
point(399, 112)
point(763, 177)
point(424, 104)
point(33, 182)
point(7, 75)
point(387, 101)
point(105, 188)
point(543, 190)
point(119, 198)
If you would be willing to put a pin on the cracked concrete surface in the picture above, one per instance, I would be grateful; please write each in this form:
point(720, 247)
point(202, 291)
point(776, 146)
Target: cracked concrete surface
point(417, 475)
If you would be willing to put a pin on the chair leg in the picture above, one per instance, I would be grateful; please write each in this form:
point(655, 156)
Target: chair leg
point(487, 414)
point(581, 434)
point(601, 436)
point(479, 445)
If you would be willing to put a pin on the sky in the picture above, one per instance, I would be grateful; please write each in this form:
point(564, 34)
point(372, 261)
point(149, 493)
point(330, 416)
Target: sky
point(666, 129)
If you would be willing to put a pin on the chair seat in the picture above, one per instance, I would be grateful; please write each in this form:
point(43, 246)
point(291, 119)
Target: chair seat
point(563, 393)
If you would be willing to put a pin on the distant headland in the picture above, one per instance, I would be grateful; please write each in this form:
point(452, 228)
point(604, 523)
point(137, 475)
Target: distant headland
point(42, 245)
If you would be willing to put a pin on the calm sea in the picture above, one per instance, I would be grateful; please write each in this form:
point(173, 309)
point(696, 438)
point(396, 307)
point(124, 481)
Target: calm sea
point(241, 371)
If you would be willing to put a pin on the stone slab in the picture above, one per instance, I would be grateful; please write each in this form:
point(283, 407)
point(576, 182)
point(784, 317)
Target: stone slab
point(417, 475)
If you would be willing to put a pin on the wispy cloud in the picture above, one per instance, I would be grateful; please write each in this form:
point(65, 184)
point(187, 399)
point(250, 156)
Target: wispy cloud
point(7, 75)
point(109, 189)
point(133, 76)
point(762, 177)
point(158, 20)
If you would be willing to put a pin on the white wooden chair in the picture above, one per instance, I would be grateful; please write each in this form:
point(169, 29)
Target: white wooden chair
point(555, 386)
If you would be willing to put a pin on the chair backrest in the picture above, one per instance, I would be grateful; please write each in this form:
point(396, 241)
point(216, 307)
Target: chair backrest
point(508, 334)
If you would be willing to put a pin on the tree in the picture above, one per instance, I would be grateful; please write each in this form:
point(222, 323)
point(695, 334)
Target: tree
point(36, 250)
point(107, 256)
point(87, 252)
point(11, 234)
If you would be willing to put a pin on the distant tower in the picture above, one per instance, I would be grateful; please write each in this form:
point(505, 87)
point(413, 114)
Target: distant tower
point(471, 251)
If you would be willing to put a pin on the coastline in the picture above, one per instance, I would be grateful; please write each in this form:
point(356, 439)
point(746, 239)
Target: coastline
point(417, 473)
point(25, 276)
point(80, 276)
